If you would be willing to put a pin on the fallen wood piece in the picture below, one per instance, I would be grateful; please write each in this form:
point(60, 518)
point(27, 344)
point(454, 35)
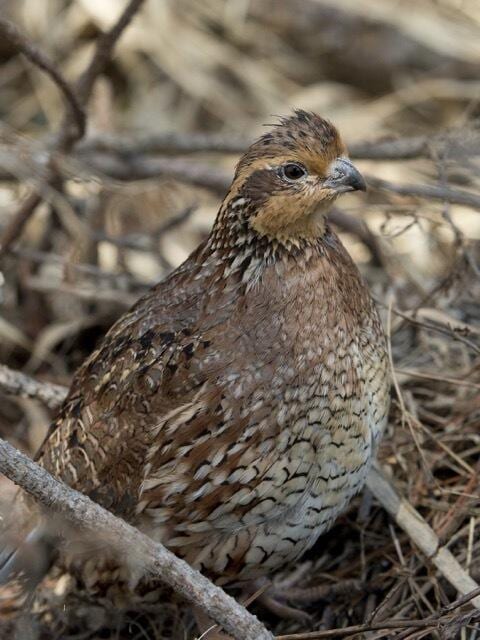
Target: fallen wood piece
point(421, 534)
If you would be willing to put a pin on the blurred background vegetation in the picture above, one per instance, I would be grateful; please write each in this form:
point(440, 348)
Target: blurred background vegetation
point(190, 84)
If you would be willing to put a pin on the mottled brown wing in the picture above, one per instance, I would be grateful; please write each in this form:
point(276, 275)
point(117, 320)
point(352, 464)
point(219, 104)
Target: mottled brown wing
point(98, 444)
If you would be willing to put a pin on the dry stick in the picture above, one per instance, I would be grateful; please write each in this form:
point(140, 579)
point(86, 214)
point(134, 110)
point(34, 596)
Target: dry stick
point(344, 632)
point(421, 534)
point(76, 116)
point(428, 191)
point(431, 376)
point(18, 384)
point(67, 135)
point(156, 560)
point(14, 228)
point(440, 617)
point(125, 148)
point(165, 143)
point(104, 49)
point(197, 142)
point(111, 296)
point(11, 33)
point(141, 167)
point(449, 327)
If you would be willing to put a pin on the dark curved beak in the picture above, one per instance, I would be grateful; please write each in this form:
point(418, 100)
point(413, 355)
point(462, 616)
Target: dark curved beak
point(344, 176)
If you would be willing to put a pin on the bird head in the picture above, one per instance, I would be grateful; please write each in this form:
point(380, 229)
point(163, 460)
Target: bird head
point(289, 178)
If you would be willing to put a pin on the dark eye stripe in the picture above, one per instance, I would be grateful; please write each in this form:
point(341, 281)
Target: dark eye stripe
point(293, 171)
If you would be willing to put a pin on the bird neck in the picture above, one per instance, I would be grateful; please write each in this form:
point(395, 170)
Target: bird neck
point(244, 255)
point(241, 227)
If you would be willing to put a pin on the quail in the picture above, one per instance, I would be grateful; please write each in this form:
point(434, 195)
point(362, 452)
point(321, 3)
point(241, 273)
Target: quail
point(234, 410)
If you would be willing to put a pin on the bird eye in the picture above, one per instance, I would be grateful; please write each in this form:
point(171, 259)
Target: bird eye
point(293, 171)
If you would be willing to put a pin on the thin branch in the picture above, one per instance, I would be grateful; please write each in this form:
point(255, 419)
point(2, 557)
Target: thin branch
point(104, 49)
point(155, 142)
point(157, 561)
point(400, 149)
point(193, 172)
point(360, 229)
point(438, 619)
point(18, 384)
point(14, 228)
point(90, 293)
point(11, 33)
point(67, 135)
point(428, 191)
point(197, 173)
point(165, 143)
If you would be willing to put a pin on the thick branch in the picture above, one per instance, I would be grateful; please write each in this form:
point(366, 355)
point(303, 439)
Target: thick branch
point(157, 561)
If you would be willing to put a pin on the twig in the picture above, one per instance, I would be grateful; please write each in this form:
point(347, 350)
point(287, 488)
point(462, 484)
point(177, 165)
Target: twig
point(344, 632)
point(143, 167)
point(18, 384)
point(432, 376)
point(14, 228)
point(157, 561)
point(111, 296)
point(428, 191)
point(164, 143)
point(103, 50)
point(360, 229)
point(11, 33)
point(441, 617)
point(401, 149)
point(67, 135)
point(41, 257)
point(457, 511)
point(450, 327)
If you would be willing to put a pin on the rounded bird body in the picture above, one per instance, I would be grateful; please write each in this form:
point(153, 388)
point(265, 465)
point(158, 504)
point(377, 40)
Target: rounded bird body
point(234, 411)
